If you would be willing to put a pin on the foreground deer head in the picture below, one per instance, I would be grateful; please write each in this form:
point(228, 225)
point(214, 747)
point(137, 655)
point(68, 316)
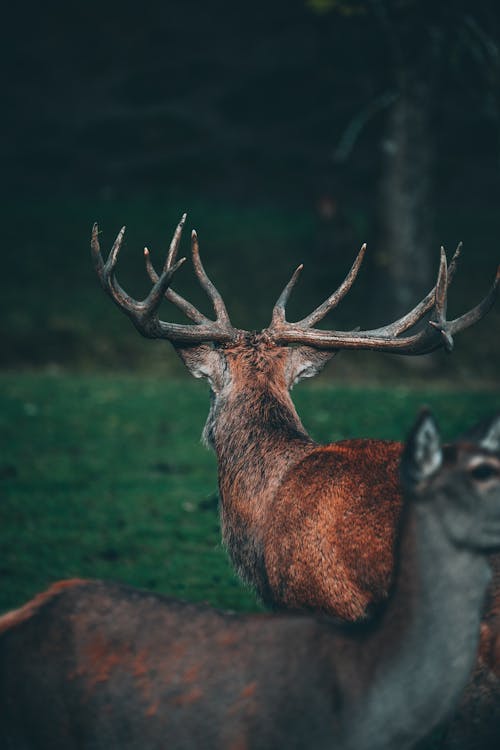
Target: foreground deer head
point(103, 666)
point(307, 526)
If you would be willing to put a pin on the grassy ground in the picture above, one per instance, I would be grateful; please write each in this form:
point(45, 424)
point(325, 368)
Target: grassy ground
point(105, 476)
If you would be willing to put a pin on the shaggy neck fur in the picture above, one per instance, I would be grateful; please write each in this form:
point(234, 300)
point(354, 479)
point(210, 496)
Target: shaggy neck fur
point(257, 435)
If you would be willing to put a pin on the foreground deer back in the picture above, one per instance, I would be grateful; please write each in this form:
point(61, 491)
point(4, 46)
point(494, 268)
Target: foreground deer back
point(308, 526)
point(99, 666)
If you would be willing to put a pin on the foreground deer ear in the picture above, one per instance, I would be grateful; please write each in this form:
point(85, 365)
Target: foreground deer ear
point(306, 362)
point(422, 454)
point(486, 434)
point(203, 361)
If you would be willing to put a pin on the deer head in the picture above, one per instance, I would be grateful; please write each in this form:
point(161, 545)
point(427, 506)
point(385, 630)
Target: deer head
point(469, 470)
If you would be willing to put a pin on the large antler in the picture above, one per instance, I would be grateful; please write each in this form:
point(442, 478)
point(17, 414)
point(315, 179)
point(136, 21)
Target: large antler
point(437, 333)
point(144, 314)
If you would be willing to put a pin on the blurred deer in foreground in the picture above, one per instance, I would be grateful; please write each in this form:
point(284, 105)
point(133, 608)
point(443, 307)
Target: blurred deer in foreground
point(308, 526)
point(100, 666)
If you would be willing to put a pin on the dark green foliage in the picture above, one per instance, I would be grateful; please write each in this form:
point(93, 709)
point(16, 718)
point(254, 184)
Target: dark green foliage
point(105, 477)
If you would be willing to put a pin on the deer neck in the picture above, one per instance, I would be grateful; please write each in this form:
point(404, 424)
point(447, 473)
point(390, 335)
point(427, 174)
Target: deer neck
point(430, 629)
point(257, 434)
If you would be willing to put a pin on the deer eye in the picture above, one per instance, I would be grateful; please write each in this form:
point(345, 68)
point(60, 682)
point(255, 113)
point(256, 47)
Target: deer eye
point(482, 472)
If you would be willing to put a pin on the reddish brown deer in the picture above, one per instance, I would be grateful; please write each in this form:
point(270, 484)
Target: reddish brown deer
point(99, 666)
point(308, 526)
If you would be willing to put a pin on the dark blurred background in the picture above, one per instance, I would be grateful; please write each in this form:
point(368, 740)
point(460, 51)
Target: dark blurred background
point(290, 131)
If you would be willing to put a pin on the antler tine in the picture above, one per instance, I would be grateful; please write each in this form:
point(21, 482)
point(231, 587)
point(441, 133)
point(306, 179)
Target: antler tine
point(437, 334)
point(96, 250)
point(334, 299)
point(414, 316)
point(105, 271)
point(215, 297)
point(440, 304)
point(155, 296)
point(441, 288)
point(144, 314)
point(186, 307)
point(174, 244)
point(279, 309)
point(477, 312)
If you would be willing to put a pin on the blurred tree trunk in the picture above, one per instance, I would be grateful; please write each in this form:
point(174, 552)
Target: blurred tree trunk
point(405, 255)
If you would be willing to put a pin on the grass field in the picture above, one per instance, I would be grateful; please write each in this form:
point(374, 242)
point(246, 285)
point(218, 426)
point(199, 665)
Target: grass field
point(105, 476)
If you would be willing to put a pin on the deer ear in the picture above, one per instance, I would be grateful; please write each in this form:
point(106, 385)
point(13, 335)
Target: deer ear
point(422, 454)
point(306, 362)
point(203, 361)
point(485, 434)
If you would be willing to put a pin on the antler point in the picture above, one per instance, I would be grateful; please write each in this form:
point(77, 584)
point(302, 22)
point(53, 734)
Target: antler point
point(457, 252)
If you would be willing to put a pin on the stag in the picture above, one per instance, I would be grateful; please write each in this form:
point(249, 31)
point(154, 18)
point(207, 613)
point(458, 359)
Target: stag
point(91, 665)
point(308, 526)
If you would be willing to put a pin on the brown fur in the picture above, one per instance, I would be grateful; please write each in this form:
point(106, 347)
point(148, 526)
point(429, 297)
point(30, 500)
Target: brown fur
point(311, 527)
point(336, 545)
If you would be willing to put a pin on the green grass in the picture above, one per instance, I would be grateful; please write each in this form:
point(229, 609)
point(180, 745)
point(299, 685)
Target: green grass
point(105, 476)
